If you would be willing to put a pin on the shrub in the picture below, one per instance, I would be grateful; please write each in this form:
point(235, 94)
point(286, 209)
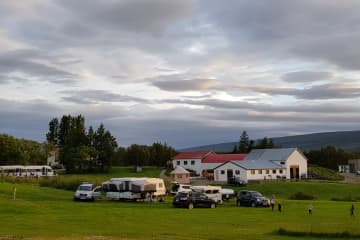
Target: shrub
point(301, 196)
point(345, 199)
point(66, 183)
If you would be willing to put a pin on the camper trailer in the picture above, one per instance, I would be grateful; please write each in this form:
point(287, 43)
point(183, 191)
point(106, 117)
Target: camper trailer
point(134, 188)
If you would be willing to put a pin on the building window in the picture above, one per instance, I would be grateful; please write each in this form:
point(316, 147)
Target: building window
point(260, 171)
point(281, 171)
point(177, 162)
point(267, 171)
point(185, 162)
point(222, 172)
point(237, 172)
point(274, 171)
point(192, 162)
point(252, 172)
point(179, 176)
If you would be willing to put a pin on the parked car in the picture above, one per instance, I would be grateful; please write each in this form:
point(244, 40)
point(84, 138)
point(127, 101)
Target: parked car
point(193, 199)
point(251, 198)
point(236, 181)
point(87, 192)
point(358, 172)
point(227, 194)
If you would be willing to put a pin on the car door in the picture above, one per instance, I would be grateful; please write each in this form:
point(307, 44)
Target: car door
point(97, 192)
point(245, 197)
point(203, 200)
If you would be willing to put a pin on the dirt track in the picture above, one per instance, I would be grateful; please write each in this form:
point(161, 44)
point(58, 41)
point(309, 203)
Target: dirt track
point(351, 178)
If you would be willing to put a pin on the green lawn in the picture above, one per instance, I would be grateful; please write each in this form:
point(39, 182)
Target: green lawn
point(47, 213)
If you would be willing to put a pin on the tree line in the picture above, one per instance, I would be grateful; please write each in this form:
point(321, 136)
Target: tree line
point(81, 150)
point(330, 157)
point(246, 144)
point(92, 150)
point(15, 151)
point(157, 154)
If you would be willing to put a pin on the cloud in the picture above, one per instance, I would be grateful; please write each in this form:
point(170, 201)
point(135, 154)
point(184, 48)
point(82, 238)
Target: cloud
point(27, 62)
point(136, 16)
point(185, 84)
point(306, 76)
point(97, 96)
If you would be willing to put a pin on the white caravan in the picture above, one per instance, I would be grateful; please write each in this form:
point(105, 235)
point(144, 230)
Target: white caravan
point(213, 192)
point(27, 171)
point(134, 188)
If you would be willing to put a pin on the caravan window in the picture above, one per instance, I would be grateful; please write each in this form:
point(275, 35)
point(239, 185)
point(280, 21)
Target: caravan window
point(160, 185)
point(112, 188)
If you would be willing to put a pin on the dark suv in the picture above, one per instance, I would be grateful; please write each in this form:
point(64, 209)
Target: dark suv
point(251, 198)
point(193, 199)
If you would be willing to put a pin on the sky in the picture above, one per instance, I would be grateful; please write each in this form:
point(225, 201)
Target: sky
point(185, 73)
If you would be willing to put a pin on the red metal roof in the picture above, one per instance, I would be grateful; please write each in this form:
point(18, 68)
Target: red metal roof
point(191, 155)
point(222, 158)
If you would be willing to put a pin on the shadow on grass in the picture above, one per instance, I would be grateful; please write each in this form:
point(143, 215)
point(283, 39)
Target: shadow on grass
point(345, 234)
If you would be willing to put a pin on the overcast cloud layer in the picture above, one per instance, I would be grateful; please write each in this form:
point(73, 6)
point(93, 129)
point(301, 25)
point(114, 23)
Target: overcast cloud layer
point(183, 72)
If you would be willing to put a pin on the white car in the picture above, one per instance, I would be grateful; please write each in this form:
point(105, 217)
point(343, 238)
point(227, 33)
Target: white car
point(87, 192)
point(227, 193)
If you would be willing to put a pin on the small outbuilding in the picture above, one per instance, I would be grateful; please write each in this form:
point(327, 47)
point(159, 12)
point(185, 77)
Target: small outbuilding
point(180, 175)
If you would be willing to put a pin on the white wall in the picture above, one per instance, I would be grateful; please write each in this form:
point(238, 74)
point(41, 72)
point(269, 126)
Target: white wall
point(264, 175)
point(223, 177)
point(296, 158)
point(195, 167)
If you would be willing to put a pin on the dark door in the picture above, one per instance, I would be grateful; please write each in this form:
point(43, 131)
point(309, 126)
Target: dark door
point(230, 173)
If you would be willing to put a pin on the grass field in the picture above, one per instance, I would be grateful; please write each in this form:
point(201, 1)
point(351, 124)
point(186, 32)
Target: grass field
point(47, 213)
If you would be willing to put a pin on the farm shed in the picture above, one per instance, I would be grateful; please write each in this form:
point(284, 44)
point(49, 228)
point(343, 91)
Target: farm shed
point(262, 164)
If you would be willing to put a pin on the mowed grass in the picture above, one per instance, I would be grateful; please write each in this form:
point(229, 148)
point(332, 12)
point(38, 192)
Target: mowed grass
point(47, 213)
point(115, 172)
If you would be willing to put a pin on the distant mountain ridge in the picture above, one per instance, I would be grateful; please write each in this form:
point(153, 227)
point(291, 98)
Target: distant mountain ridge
point(347, 140)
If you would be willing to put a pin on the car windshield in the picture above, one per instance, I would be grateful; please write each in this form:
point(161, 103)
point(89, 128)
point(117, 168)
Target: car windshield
point(84, 188)
point(182, 194)
point(257, 194)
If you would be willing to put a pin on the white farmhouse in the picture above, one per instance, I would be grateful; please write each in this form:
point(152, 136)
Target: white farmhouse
point(202, 162)
point(262, 164)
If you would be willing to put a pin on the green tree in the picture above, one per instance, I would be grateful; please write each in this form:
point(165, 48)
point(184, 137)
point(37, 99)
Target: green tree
point(53, 135)
point(137, 155)
point(106, 145)
point(244, 143)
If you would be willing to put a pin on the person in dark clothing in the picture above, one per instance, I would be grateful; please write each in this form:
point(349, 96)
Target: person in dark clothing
point(279, 206)
point(352, 211)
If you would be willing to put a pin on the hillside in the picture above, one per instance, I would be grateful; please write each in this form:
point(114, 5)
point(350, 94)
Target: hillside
point(348, 140)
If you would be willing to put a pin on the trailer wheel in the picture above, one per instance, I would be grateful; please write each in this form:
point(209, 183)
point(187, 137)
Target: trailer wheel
point(191, 206)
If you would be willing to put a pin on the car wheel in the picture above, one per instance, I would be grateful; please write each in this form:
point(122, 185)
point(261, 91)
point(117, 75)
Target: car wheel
point(238, 203)
point(191, 206)
point(253, 204)
point(213, 205)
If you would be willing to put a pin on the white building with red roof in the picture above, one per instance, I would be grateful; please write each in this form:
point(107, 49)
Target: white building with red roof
point(202, 161)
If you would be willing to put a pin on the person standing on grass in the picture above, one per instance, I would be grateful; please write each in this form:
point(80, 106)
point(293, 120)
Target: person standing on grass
point(352, 211)
point(272, 202)
point(310, 207)
point(279, 206)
